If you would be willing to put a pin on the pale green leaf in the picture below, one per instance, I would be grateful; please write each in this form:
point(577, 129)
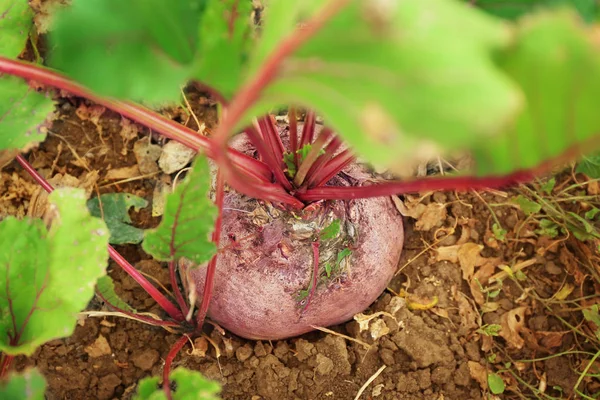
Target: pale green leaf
point(398, 80)
point(115, 209)
point(590, 166)
point(16, 19)
point(28, 385)
point(556, 62)
point(526, 205)
point(495, 383)
point(187, 224)
point(49, 276)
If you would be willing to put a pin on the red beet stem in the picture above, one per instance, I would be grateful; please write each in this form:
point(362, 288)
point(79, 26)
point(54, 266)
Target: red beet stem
point(312, 156)
point(177, 346)
point(333, 167)
point(308, 130)
point(293, 134)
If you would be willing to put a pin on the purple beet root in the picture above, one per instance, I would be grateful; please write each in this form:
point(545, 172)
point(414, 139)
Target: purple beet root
point(265, 266)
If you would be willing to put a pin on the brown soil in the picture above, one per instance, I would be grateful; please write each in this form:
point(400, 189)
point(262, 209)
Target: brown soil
point(427, 349)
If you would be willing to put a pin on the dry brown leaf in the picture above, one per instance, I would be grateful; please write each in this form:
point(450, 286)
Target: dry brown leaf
point(479, 373)
point(200, 347)
point(91, 113)
point(122, 173)
point(513, 323)
point(468, 315)
point(481, 277)
point(146, 155)
point(129, 131)
point(378, 329)
point(174, 157)
point(593, 188)
point(550, 340)
point(428, 216)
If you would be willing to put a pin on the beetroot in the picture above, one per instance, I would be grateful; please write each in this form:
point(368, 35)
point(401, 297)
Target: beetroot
point(265, 266)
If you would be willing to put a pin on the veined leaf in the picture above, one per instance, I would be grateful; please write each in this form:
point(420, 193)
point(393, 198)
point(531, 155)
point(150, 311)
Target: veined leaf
point(187, 224)
point(29, 385)
point(106, 288)
point(115, 208)
point(191, 385)
point(399, 80)
point(556, 61)
point(40, 296)
point(142, 49)
point(225, 37)
point(23, 112)
point(590, 166)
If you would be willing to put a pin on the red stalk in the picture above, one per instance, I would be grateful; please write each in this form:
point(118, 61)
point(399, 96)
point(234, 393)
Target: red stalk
point(267, 155)
point(312, 155)
point(330, 150)
point(152, 120)
point(308, 130)
point(333, 167)
point(168, 361)
point(5, 364)
point(212, 265)
point(293, 135)
point(166, 305)
point(183, 306)
point(272, 137)
point(389, 188)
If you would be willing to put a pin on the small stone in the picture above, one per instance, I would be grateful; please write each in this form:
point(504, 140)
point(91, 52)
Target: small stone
point(145, 359)
point(99, 348)
point(259, 349)
point(174, 157)
point(146, 155)
point(553, 269)
point(244, 352)
point(324, 364)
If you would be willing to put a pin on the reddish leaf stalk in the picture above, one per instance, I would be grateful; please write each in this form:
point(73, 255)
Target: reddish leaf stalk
point(333, 167)
point(312, 156)
point(389, 188)
point(308, 130)
point(267, 155)
point(183, 306)
point(169, 307)
point(293, 135)
point(321, 161)
point(5, 364)
point(315, 274)
point(212, 265)
point(175, 349)
point(271, 136)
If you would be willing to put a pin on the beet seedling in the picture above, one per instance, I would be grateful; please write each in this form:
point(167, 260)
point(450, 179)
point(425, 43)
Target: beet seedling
point(399, 82)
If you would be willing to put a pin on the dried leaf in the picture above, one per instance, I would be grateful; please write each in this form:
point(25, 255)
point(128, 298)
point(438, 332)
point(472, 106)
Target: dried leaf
point(174, 157)
point(378, 329)
point(122, 173)
point(513, 323)
point(146, 155)
point(129, 131)
point(200, 347)
point(428, 216)
point(479, 373)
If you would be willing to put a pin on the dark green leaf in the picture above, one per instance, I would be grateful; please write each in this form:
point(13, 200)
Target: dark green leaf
point(331, 230)
point(28, 385)
point(288, 159)
point(556, 62)
point(187, 224)
point(590, 166)
point(397, 79)
point(115, 209)
point(526, 205)
point(139, 49)
point(106, 288)
point(49, 276)
point(495, 383)
point(190, 385)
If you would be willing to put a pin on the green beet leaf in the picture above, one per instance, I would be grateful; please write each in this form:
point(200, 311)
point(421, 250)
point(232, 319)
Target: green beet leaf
point(513, 9)
point(23, 111)
point(399, 80)
point(590, 166)
point(16, 19)
point(556, 62)
point(106, 288)
point(115, 209)
point(29, 385)
point(142, 50)
point(187, 224)
point(495, 383)
point(190, 385)
point(225, 38)
point(41, 295)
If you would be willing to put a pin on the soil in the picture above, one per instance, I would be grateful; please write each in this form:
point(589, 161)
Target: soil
point(421, 339)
